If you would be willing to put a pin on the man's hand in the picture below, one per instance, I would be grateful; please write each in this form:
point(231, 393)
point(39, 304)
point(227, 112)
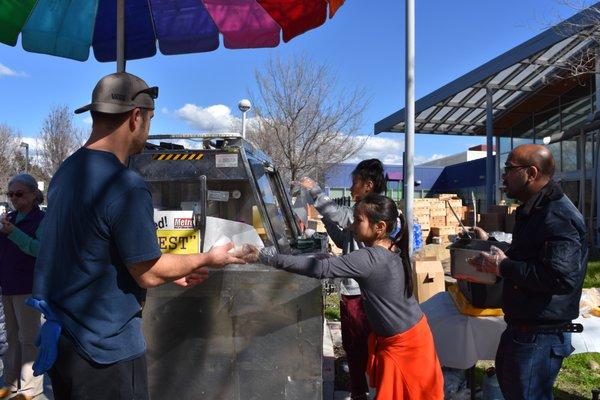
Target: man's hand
point(47, 340)
point(307, 183)
point(488, 261)
point(193, 279)
point(219, 256)
point(480, 233)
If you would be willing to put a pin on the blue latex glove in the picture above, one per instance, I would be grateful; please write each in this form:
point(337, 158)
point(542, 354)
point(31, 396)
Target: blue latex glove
point(47, 340)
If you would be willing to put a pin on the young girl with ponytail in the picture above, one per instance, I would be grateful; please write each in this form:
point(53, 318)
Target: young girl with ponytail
point(368, 177)
point(402, 360)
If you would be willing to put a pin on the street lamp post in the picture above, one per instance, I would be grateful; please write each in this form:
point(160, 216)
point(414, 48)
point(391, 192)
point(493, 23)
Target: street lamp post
point(26, 146)
point(244, 105)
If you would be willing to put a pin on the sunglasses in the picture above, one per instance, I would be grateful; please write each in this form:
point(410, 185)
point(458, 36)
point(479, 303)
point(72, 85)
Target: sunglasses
point(509, 168)
point(151, 91)
point(17, 194)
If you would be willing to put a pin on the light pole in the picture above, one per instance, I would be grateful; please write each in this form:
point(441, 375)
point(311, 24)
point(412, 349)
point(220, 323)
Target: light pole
point(26, 146)
point(244, 105)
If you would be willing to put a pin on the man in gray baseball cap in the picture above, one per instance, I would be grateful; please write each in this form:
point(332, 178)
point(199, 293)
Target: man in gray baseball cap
point(100, 253)
point(119, 93)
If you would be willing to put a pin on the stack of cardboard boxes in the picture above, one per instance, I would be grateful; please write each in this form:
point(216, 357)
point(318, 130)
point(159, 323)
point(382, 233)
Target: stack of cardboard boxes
point(436, 218)
point(498, 218)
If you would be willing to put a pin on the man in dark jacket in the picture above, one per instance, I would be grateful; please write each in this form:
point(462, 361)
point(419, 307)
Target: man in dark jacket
point(543, 273)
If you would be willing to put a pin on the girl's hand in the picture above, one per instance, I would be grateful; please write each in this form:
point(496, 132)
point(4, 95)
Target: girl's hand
point(247, 252)
point(307, 183)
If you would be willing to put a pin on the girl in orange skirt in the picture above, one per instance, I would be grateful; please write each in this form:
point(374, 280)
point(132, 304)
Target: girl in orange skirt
point(402, 359)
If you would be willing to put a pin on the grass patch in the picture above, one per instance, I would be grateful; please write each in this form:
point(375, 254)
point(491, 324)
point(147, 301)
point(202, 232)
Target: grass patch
point(332, 307)
point(575, 380)
point(592, 278)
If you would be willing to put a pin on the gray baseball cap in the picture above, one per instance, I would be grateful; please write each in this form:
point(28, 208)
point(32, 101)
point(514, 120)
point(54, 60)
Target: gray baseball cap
point(120, 92)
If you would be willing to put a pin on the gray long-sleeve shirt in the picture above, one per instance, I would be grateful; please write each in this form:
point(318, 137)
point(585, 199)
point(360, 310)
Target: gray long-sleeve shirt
point(379, 273)
point(337, 220)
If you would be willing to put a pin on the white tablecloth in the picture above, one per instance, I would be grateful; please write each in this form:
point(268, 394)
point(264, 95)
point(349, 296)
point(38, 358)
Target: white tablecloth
point(462, 340)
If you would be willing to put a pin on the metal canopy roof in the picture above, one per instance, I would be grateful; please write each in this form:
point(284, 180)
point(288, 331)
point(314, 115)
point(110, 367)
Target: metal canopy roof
point(459, 107)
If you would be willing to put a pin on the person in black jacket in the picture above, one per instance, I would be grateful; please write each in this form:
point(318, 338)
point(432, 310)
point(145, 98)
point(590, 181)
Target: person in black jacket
point(543, 273)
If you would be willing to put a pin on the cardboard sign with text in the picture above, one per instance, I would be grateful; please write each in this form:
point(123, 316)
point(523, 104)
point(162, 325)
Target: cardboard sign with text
point(175, 232)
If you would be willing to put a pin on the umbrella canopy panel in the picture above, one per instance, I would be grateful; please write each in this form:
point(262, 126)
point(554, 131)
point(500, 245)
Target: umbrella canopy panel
point(68, 28)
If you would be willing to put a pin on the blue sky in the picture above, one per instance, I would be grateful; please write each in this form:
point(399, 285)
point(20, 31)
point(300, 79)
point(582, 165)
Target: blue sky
point(363, 43)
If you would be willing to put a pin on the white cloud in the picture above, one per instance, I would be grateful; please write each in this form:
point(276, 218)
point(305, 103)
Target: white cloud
point(5, 71)
point(389, 151)
point(216, 118)
point(87, 120)
point(424, 159)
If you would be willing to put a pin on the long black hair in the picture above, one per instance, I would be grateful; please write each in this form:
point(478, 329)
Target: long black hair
point(371, 170)
point(381, 208)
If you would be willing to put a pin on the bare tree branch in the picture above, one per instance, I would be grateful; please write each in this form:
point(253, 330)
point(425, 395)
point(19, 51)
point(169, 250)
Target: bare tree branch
point(578, 62)
point(304, 122)
point(59, 138)
point(12, 161)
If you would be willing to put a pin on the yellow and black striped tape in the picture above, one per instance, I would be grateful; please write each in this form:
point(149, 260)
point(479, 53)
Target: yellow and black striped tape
point(177, 156)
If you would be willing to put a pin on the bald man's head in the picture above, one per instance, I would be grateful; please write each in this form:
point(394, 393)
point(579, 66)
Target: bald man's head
point(536, 155)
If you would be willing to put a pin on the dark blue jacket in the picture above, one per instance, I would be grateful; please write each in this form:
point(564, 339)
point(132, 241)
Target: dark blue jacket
point(16, 267)
point(547, 261)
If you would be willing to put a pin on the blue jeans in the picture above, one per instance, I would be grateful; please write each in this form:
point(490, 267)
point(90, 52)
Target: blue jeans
point(527, 363)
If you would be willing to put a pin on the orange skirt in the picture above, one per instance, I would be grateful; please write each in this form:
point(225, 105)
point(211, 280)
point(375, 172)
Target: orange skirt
point(405, 366)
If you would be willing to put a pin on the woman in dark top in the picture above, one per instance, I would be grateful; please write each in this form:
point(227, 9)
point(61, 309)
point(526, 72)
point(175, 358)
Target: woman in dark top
point(19, 245)
point(402, 359)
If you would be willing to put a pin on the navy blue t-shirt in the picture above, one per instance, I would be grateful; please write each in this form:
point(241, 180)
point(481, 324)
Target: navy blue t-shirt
point(99, 221)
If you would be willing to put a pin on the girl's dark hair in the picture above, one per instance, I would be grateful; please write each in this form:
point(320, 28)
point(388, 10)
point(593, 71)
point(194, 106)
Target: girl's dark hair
point(381, 208)
point(371, 170)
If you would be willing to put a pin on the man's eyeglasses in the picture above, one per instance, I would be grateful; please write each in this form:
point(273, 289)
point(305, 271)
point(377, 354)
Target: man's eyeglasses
point(151, 91)
point(17, 194)
point(508, 168)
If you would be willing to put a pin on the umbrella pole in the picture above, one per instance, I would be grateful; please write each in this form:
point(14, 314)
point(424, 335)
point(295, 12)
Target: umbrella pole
point(120, 35)
point(409, 144)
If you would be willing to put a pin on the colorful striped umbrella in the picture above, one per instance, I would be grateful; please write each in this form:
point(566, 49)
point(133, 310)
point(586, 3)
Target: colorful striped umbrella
point(67, 28)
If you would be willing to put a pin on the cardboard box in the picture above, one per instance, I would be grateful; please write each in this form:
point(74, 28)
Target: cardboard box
point(428, 278)
point(437, 212)
point(456, 204)
point(422, 219)
point(443, 230)
point(452, 221)
point(437, 221)
point(447, 196)
point(437, 205)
